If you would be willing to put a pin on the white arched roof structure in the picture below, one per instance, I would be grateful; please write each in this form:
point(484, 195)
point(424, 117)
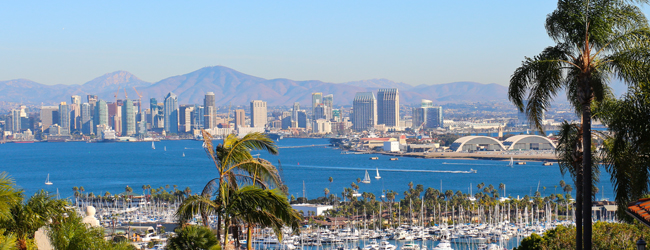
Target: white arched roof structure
point(528, 142)
point(474, 143)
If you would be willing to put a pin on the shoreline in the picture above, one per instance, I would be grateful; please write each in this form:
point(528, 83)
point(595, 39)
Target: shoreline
point(498, 156)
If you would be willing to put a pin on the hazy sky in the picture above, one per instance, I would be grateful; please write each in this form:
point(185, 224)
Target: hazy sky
point(426, 42)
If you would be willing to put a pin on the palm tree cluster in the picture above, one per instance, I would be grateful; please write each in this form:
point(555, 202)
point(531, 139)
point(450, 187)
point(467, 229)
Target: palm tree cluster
point(20, 219)
point(247, 191)
point(596, 40)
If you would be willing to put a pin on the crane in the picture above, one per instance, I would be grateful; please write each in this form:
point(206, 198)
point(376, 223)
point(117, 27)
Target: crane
point(125, 95)
point(116, 93)
point(139, 100)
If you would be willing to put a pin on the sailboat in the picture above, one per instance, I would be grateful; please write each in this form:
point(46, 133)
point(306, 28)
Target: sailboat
point(183, 154)
point(165, 147)
point(47, 181)
point(153, 146)
point(377, 177)
point(366, 179)
point(512, 163)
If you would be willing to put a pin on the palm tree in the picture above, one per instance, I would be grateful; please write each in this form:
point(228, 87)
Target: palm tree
point(193, 238)
point(595, 39)
point(28, 217)
point(235, 166)
point(9, 195)
point(251, 205)
point(326, 191)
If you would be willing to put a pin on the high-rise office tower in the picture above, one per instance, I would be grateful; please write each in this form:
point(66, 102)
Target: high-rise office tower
point(365, 111)
point(198, 116)
point(427, 116)
point(171, 113)
point(75, 112)
point(185, 118)
point(258, 114)
point(294, 111)
point(388, 107)
point(141, 123)
point(320, 112)
point(64, 118)
point(15, 120)
point(92, 100)
point(210, 110)
point(86, 122)
point(316, 99)
point(240, 118)
point(101, 115)
point(302, 119)
point(328, 101)
point(128, 118)
point(48, 116)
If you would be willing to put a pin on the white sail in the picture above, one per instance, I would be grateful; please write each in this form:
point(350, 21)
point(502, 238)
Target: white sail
point(512, 163)
point(377, 177)
point(165, 148)
point(183, 154)
point(366, 179)
point(47, 181)
point(153, 146)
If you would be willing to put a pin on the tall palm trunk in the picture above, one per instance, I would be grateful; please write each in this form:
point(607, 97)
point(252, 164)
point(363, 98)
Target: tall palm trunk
point(586, 163)
point(249, 237)
point(579, 181)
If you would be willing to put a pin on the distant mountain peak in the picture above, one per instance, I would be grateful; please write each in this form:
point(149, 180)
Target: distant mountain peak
point(120, 77)
point(379, 83)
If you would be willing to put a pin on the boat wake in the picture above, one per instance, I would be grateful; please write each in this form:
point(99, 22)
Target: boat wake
point(472, 164)
point(389, 170)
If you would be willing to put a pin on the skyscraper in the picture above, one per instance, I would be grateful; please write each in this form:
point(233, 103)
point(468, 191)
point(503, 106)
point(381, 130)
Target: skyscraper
point(294, 111)
point(48, 116)
point(15, 120)
point(388, 107)
point(171, 113)
point(427, 116)
point(128, 118)
point(258, 114)
point(240, 118)
point(75, 112)
point(302, 119)
point(316, 99)
point(101, 115)
point(328, 101)
point(64, 118)
point(210, 110)
point(365, 111)
point(185, 118)
point(92, 100)
point(86, 122)
point(198, 117)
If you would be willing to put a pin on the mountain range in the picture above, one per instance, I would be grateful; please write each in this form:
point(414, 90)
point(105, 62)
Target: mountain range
point(236, 88)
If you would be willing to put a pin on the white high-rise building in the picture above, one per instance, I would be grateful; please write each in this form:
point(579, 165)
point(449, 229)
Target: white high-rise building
point(258, 114)
point(210, 110)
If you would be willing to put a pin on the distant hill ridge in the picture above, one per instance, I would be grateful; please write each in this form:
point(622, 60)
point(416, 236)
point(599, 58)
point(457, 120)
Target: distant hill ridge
point(233, 87)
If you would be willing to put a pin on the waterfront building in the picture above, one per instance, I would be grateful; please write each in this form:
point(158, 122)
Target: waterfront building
point(15, 121)
point(286, 122)
point(209, 105)
point(86, 122)
point(49, 116)
point(64, 118)
point(141, 123)
point(198, 117)
point(128, 118)
point(302, 119)
point(258, 114)
point(322, 126)
point(101, 115)
point(75, 112)
point(171, 113)
point(365, 111)
point(388, 107)
point(328, 101)
point(240, 118)
point(294, 111)
point(185, 118)
point(528, 142)
point(316, 99)
point(427, 116)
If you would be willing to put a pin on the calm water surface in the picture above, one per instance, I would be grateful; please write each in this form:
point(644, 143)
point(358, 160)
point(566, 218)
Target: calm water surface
point(101, 167)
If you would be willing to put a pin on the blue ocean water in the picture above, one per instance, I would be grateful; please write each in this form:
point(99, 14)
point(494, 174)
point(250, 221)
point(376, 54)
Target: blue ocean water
point(101, 167)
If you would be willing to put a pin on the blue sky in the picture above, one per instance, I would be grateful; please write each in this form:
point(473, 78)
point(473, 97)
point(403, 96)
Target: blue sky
point(416, 42)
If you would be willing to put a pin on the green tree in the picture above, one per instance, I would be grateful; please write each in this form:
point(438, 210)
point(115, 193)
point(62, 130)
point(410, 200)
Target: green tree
point(72, 234)
point(193, 237)
point(235, 165)
point(10, 196)
point(595, 39)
